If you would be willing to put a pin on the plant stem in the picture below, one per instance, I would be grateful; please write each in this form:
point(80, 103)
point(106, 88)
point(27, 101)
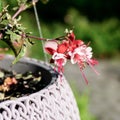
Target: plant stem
point(21, 8)
point(38, 38)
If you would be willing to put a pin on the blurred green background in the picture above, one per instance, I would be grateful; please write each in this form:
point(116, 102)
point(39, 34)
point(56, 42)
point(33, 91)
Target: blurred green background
point(94, 21)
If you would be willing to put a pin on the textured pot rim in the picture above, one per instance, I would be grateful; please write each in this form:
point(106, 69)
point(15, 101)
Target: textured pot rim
point(44, 65)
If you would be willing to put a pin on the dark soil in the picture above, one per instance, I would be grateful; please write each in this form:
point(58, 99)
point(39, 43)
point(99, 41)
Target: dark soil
point(14, 85)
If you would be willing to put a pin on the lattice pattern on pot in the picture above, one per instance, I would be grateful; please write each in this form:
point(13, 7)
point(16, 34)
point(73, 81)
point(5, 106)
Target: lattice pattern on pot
point(55, 102)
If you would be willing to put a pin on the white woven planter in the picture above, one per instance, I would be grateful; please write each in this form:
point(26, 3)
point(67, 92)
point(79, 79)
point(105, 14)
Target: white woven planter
point(54, 102)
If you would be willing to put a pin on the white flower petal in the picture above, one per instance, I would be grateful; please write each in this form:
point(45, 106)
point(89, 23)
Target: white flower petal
point(89, 49)
point(51, 44)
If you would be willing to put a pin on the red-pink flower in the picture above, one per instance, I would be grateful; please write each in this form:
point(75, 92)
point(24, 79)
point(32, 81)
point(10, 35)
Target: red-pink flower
point(51, 46)
point(73, 43)
point(59, 60)
point(72, 49)
point(81, 55)
point(63, 47)
point(57, 51)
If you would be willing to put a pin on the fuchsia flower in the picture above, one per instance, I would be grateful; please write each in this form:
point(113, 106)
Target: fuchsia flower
point(81, 54)
point(70, 48)
point(58, 53)
point(59, 60)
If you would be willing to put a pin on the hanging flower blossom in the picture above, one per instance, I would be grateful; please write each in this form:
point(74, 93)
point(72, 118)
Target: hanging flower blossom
point(57, 51)
point(59, 60)
point(70, 49)
point(81, 53)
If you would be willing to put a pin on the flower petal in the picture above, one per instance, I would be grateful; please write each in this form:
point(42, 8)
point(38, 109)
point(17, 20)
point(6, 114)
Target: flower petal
point(62, 48)
point(51, 46)
point(59, 59)
point(71, 36)
point(78, 42)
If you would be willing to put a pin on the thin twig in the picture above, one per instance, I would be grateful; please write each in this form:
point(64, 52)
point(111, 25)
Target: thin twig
point(34, 37)
point(22, 8)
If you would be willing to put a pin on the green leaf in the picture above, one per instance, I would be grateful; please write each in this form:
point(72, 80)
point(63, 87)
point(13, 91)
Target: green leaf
point(20, 54)
point(1, 6)
point(13, 36)
point(21, 2)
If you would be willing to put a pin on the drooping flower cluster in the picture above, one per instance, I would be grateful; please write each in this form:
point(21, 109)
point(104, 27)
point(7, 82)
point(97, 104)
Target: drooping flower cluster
point(70, 49)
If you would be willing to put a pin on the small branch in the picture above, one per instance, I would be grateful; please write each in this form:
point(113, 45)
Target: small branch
point(38, 38)
point(34, 37)
point(22, 8)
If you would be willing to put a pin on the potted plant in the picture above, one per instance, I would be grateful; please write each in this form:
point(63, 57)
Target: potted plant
point(32, 89)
